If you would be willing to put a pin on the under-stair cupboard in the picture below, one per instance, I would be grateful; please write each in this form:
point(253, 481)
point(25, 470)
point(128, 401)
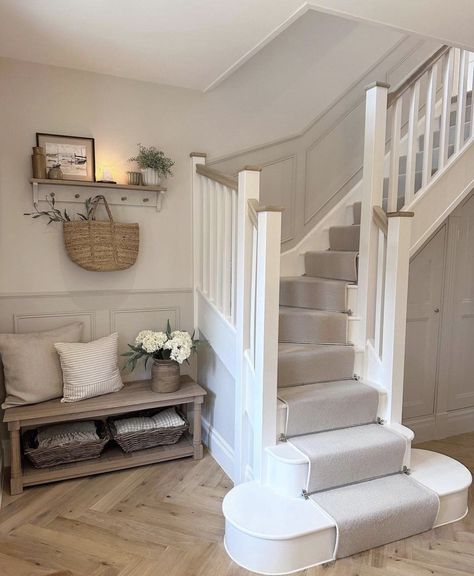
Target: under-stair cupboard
point(439, 363)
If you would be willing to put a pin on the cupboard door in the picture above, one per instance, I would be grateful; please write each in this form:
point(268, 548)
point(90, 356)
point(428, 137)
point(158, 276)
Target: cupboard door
point(425, 288)
point(457, 369)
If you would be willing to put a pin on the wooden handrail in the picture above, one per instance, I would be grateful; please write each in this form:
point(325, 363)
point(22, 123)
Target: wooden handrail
point(380, 219)
point(416, 75)
point(217, 176)
point(255, 207)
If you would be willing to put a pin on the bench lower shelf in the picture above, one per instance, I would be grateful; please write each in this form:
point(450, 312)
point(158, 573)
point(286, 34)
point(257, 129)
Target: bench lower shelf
point(112, 458)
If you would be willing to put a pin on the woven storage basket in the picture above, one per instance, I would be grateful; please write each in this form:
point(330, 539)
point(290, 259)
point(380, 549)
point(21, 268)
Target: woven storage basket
point(101, 246)
point(54, 456)
point(132, 441)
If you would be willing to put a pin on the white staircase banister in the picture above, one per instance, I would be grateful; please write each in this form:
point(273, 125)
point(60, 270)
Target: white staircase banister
point(216, 176)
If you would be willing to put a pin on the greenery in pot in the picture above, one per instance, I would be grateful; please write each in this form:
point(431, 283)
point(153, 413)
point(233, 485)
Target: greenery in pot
point(151, 157)
point(170, 345)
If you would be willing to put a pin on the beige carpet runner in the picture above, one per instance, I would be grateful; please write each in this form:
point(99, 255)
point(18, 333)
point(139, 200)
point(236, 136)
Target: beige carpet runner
point(355, 470)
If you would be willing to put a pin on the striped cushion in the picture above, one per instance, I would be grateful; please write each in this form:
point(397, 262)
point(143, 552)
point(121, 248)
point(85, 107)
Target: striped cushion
point(89, 369)
point(168, 418)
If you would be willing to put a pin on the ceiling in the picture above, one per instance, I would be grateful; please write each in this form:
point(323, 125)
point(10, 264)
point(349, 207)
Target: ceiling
point(186, 43)
point(449, 22)
point(193, 43)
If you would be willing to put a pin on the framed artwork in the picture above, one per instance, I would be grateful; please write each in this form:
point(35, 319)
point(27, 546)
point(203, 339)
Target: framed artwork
point(75, 155)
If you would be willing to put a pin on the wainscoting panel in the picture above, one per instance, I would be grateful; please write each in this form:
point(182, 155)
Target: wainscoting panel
point(125, 312)
point(37, 322)
point(279, 188)
point(343, 148)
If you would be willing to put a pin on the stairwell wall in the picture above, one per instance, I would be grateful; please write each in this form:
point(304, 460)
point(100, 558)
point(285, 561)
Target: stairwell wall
point(311, 172)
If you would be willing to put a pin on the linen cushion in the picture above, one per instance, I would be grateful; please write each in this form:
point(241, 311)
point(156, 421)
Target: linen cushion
point(31, 364)
point(89, 369)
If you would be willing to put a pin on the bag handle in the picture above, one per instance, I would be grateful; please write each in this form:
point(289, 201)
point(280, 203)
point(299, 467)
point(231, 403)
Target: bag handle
point(95, 203)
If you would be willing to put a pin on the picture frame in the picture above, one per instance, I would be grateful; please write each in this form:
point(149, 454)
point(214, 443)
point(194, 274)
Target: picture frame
point(75, 155)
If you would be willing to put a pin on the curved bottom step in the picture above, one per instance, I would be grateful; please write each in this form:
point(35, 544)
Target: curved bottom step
point(272, 534)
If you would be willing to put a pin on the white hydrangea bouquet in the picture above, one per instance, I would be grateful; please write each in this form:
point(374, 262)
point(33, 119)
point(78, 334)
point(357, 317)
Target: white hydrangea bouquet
point(167, 350)
point(170, 345)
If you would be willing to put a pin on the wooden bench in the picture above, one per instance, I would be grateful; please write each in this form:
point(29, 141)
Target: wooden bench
point(133, 397)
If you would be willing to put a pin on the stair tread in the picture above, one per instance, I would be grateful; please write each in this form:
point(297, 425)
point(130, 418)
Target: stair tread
point(350, 455)
point(305, 312)
point(293, 348)
point(332, 264)
point(314, 280)
point(376, 512)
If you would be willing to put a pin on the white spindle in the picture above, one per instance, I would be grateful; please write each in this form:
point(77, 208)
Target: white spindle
point(471, 116)
point(253, 294)
point(461, 107)
point(392, 201)
point(448, 73)
point(213, 241)
point(206, 235)
point(197, 191)
point(380, 292)
point(219, 243)
point(227, 253)
point(233, 295)
point(429, 124)
point(412, 142)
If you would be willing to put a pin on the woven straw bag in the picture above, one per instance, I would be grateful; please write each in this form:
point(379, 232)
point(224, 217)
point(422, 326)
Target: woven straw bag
point(101, 246)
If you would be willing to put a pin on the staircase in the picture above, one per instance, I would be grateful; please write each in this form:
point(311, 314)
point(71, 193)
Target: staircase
point(324, 468)
point(340, 481)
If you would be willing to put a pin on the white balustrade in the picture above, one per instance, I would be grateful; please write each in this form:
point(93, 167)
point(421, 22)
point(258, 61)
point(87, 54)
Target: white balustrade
point(236, 287)
point(448, 79)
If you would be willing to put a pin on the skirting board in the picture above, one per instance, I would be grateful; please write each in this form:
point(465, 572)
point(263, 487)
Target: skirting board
point(443, 425)
point(220, 450)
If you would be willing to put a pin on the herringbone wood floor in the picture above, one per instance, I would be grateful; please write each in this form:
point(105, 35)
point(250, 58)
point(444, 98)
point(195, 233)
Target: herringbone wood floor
point(165, 520)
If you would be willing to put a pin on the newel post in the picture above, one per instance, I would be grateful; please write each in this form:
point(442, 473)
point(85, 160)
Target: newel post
point(372, 194)
point(196, 158)
point(266, 341)
point(395, 317)
point(248, 188)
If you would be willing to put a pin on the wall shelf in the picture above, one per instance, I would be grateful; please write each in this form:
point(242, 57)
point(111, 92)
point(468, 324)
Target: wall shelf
point(71, 191)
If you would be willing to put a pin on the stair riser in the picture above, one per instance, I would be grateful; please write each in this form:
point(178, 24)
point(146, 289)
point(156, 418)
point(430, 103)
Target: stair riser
point(345, 238)
point(303, 295)
point(310, 330)
point(322, 264)
point(356, 212)
point(276, 557)
point(331, 363)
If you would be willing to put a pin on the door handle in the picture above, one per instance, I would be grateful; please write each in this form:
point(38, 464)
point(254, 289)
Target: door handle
point(436, 310)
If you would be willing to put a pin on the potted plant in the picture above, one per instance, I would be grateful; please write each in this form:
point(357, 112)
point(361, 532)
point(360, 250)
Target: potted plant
point(153, 164)
point(167, 350)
